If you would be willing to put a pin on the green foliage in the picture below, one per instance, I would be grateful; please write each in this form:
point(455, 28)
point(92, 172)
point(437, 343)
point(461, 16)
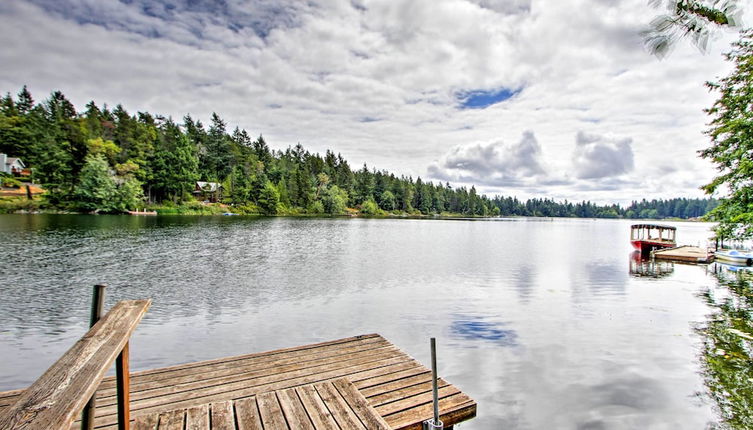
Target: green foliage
point(370, 207)
point(269, 198)
point(316, 207)
point(696, 19)
point(20, 204)
point(726, 355)
point(387, 201)
point(174, 165)
point(10, 182)
point(335, 200)
point(198, 208)
point(98, 190)
point(106, 148)
point(731, 133)
point(129, 195)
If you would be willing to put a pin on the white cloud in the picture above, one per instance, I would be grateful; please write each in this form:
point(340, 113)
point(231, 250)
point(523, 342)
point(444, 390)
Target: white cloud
point(494, 164)
point(598, 156)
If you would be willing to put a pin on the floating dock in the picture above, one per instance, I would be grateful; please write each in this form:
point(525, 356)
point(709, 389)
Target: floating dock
point(358, 382)
point(684, 254)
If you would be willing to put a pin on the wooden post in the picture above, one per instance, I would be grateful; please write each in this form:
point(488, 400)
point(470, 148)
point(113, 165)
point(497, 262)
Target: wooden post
point(98, 305)
point(123, 378)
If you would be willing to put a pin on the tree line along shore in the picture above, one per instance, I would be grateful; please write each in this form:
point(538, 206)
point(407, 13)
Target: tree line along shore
point(110, 161)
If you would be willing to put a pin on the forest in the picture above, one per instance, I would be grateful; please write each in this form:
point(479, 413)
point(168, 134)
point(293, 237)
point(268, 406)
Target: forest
point(110, 161)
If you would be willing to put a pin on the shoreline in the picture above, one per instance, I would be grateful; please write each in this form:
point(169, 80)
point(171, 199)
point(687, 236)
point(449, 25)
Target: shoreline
point(452, 217)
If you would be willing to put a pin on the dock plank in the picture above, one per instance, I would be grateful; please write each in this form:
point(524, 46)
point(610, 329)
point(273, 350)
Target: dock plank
point(336, 405)
point(320, 416)
point(247, 414)
point(293, 409)
point(368, 415)
point(222, 417)
point(341, 411)
point(197, 418)
point(259, 364)
point(172, 420)
point(106, 416)
point(145, 422)
point(392, 384)
point(271, 412)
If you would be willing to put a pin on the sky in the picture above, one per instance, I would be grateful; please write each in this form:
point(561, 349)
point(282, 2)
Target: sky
point(526, 98)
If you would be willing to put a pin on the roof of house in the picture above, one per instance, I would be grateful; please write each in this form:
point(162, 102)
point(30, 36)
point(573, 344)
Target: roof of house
point(10, 160)
point(208, 186)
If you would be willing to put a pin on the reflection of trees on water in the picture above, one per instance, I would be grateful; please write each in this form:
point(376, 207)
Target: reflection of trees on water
point(649, 267)
point(727, 354)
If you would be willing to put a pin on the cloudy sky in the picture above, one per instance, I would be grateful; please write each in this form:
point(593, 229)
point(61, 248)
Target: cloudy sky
point(529, 98)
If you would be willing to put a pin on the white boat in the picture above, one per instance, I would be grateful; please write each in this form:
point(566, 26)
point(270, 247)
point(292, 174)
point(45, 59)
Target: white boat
point(735, 256)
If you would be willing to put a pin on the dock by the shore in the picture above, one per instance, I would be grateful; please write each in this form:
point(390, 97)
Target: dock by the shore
point(684, 254)
point(357, 382)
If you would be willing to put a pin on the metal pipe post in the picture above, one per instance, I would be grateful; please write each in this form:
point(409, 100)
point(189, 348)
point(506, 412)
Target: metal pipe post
point(434, 379)
point(98, 305)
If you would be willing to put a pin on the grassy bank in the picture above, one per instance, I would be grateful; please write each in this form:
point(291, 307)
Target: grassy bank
point(41, 205)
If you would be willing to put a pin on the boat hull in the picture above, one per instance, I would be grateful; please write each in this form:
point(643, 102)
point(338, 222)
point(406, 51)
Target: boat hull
point(646, 246)
point(738, 258)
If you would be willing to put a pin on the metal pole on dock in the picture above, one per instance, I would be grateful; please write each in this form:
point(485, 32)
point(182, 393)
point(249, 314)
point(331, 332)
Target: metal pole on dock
point(435, 423)
point(98, 305)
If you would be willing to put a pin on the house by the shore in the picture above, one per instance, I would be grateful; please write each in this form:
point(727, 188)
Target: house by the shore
point(208, 191)
point(13, 166)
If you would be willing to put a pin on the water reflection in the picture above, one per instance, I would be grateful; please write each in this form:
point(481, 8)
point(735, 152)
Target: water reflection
point(469, 328)
point(648, 267)
point(728, 345)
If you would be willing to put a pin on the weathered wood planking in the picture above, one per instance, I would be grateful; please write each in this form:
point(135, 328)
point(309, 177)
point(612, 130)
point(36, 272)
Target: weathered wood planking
point(59, 395)
point(330, 405)
point(393, 383)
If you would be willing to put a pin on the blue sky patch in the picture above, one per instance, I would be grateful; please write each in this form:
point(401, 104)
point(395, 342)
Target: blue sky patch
point(479, 99)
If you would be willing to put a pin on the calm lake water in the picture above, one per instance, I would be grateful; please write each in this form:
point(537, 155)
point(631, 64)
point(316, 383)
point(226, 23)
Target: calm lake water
point(539, 320)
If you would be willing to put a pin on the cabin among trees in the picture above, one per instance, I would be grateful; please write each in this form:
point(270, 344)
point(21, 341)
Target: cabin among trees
point(208, 191)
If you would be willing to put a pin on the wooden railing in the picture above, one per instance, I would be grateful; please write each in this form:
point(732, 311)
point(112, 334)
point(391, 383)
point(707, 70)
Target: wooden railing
point(57, 398)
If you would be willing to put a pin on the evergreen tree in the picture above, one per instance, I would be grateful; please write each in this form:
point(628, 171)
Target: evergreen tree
point(732, 143)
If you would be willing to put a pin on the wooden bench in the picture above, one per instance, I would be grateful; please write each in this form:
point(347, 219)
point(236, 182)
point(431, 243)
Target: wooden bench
point(57, 398)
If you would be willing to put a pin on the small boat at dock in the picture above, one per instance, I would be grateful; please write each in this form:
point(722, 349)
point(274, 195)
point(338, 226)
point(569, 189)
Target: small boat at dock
point(735, 256)
point(648, 237)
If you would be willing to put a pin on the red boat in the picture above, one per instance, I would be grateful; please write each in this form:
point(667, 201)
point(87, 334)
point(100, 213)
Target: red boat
point(647, 237)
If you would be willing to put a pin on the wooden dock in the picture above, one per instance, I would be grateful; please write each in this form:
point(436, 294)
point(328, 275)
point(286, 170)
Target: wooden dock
point(357, 382)
point(684, 254)
point(327, 405)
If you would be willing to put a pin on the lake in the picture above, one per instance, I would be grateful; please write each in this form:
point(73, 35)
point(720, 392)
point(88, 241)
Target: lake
point(546, 323)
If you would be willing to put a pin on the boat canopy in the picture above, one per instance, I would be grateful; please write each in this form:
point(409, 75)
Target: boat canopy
point(653, 233)
point(659, 226)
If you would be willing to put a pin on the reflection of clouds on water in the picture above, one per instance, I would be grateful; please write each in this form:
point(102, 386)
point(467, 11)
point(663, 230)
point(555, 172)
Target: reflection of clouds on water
point(606, 278)
point(524, 277)
point(598, 279)
point(616, 403)
point(469, 328)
